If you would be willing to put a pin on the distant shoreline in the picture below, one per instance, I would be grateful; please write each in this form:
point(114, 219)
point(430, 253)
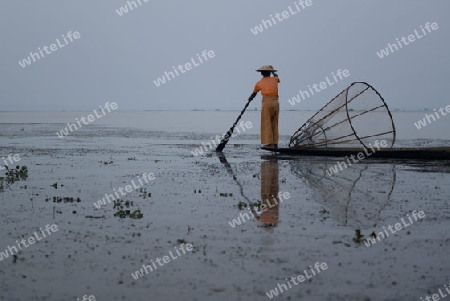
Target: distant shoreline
point(193, 110)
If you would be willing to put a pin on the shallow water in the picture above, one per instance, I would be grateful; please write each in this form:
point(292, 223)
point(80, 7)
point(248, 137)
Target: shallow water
point(193, 199)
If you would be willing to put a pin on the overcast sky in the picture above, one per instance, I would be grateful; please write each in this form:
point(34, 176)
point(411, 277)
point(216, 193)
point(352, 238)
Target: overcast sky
point(117, 58)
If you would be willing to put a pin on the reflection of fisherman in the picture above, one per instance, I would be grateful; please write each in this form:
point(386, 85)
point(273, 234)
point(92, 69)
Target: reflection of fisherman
point(269, 194)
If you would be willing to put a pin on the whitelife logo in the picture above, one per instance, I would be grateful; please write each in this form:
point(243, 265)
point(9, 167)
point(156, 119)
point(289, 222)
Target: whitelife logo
point(360, 156)
point(265, 205)
point(281, 17)
point(124, 9)
point(140, 273)
point(90, 118)
point(430, 118)
point(110, 198)
point(391, 48)
point(53, 47)
point(31, 240)
point(187, 66)
point(12, 159)
point(319, 87)
point(318, 267)
point(207, 146)
point(86, 298)
point(435, 297)
point(380, 235)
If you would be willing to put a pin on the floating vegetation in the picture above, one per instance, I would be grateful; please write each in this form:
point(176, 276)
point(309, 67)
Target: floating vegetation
point(199, 191)
point(226, 194)
point(124, 213)
point(121, 203)
point(107, 162)
point(17, 174)
point(241, 205)
point(359, 237)
point(63, 199)
point(340, 242)
point(13, 175)
point(324, 211)
point(132, 159)
point(144, 194)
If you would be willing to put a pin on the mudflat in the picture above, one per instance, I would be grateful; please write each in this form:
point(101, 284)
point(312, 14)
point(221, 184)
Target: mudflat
point(203, 202)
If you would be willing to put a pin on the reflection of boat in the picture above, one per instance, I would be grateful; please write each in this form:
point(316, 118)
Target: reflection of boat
point(429, 153)
point(355, 196)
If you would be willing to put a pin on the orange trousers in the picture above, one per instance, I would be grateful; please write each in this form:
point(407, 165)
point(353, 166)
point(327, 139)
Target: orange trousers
point(269, 120)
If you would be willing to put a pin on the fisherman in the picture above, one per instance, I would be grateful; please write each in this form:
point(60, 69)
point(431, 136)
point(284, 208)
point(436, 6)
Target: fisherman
point(270, 106)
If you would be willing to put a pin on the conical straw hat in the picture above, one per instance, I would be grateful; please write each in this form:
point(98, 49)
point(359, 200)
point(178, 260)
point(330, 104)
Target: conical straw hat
point(266, 68)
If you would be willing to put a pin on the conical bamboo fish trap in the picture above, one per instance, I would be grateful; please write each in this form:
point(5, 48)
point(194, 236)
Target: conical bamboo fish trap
point(356, 117)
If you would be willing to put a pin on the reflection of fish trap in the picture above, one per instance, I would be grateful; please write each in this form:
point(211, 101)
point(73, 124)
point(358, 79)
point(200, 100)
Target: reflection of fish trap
point(355, 117)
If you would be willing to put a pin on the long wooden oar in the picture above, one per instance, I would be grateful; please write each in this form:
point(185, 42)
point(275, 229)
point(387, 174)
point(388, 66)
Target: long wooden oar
point(227, 137)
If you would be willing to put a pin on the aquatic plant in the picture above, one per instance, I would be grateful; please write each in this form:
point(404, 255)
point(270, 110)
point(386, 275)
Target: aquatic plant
point(358, 237)
point(225, 194)
point(144, 193)
point(107, 162)
point(241, 205)
point(13, 175)
point(119, 203)
point(124, 213)
point(65, 199)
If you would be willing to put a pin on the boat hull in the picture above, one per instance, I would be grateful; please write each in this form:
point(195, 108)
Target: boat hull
point(429, 153)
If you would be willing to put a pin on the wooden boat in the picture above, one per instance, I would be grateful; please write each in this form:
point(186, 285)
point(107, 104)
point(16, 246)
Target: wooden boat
point(349, 124)
point(425, 153)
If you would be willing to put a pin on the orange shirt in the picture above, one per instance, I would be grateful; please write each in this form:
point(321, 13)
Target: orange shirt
point(268, 86)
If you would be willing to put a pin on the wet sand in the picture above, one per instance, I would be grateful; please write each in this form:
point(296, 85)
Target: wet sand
point(193, 199)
